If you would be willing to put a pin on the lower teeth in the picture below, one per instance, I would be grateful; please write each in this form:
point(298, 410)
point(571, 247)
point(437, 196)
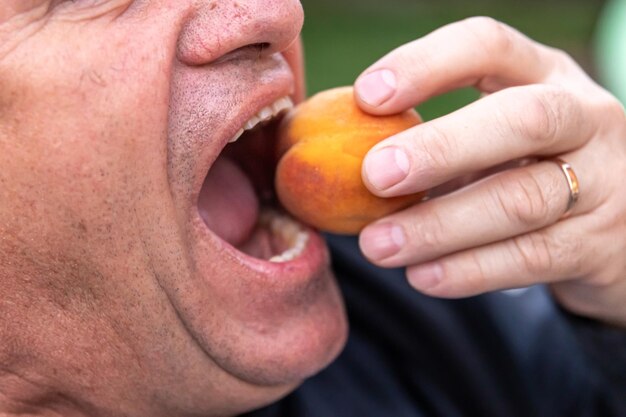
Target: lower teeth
point(289, 231)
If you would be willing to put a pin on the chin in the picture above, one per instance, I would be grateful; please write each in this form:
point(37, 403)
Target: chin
point(259, 300)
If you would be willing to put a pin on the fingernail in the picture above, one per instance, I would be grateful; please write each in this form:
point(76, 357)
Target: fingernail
point(376, 87)
point(386, 167)
point(382, 240)
point(426, 276)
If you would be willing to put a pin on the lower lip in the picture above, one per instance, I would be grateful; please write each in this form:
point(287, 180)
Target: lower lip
point(313, 259)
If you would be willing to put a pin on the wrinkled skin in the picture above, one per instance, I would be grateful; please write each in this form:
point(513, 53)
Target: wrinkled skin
point(116, 298)
point(497, 221)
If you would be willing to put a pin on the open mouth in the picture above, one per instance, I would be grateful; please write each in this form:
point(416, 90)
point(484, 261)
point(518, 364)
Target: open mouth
point(237, 201)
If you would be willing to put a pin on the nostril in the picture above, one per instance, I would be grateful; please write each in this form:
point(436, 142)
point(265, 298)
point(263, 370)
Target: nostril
point(252, 51)
point(257, 48)
point(261, 46)
point(254, 27)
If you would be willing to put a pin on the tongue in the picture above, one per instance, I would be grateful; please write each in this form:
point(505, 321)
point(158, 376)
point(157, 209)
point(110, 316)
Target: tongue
point(228, 203)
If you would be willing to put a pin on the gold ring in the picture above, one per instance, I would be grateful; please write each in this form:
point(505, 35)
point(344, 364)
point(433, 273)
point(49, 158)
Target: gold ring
point(572, 183)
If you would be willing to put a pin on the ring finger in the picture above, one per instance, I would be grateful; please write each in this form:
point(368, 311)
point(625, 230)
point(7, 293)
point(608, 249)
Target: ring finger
point(504, 205)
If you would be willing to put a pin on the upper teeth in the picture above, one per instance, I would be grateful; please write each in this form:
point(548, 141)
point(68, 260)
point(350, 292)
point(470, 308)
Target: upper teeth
point(266, 113)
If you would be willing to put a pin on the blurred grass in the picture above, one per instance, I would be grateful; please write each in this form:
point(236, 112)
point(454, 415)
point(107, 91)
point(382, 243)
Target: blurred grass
point(343, 37)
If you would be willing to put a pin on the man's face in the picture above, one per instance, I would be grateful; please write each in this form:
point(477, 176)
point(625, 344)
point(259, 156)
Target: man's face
point(134, 268)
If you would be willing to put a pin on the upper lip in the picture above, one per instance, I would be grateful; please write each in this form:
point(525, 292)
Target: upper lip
point(260, 95)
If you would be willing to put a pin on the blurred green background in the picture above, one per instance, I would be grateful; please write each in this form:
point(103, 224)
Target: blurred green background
point(343, 37)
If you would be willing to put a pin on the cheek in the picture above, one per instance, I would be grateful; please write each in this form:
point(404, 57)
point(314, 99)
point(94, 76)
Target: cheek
point(83, 145)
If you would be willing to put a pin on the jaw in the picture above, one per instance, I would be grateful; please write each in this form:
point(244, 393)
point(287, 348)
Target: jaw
point(262, 321)
point(142, 223)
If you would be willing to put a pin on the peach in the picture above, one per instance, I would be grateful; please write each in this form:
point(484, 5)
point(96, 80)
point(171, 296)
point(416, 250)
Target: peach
point(321, 145)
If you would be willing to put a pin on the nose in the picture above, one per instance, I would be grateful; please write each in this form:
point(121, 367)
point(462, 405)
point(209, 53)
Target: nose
point(219, 27)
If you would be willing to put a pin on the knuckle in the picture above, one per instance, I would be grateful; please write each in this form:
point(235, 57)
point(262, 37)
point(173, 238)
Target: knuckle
point(614, 109)
point(476, 277)
point(430, 232)
point(522, 199)
point(539, 114)
point(541, 121)
point(563, 59)
point(568, 252)
point(533, 253)
point(439, 148)
point(544, 254)
point(493, 36)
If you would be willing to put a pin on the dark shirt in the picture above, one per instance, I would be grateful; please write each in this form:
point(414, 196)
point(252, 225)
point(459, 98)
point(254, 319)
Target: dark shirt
point(501, 354)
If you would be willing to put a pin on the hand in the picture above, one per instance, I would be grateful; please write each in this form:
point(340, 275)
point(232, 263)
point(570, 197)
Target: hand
point(505, 229)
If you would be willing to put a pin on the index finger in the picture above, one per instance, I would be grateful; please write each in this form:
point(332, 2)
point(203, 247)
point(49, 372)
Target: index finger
point(478, 51)
point(537, 120)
